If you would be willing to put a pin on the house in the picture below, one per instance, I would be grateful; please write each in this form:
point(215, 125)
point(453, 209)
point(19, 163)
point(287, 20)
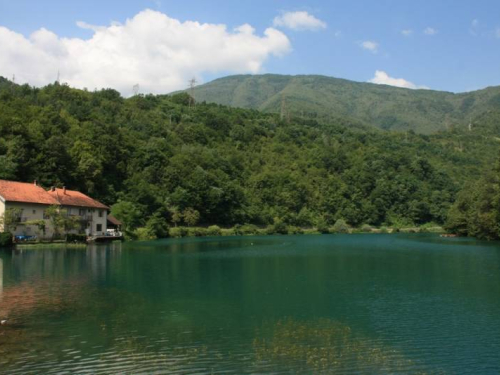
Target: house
point(32, 200)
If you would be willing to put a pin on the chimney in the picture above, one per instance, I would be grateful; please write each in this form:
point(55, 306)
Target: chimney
point(53, 188)
point(34, 182)
point(64, 190)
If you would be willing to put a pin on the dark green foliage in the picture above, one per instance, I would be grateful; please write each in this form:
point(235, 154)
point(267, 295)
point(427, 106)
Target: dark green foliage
point(476, 211)
point(322, 226)
point(279, 227)
point(157, 226)
point(160, 162)
point(5, 239)
point(128, 213)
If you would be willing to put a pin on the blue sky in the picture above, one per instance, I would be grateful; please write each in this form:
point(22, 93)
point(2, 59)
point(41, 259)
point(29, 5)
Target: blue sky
point(352, 40)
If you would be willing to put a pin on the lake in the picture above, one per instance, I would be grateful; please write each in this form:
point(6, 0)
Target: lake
point(347, 304)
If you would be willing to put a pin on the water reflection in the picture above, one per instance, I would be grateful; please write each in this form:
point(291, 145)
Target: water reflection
point(252, 305)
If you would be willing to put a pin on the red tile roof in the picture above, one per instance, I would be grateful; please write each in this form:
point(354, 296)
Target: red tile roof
point(113, 220)
point(12, 191)
point(75, 198)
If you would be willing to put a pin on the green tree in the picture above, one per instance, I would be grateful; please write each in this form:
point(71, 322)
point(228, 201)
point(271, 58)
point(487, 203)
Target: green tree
point(10, 219)
point(157, 226)
point(60, 221)
point(128, 213)
point(191, 216)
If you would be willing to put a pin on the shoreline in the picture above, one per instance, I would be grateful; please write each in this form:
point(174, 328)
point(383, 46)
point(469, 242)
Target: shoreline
point(247, 230)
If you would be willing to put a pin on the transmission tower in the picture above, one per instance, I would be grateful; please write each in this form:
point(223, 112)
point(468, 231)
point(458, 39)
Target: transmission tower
point(135, 89)
point(284, 115)
point(192, 85)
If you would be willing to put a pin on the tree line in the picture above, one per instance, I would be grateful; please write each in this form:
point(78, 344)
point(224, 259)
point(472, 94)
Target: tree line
point(160, 162)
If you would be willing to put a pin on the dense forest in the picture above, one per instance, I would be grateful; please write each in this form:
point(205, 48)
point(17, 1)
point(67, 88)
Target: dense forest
point(161, 160)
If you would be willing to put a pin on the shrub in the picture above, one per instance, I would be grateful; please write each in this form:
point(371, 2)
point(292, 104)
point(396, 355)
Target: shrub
point(237, 230)
point(5, 239)
point(198, 232)
point(214, 230)
point(178, 232)
point(144, 234)
point(295, 230)
point(322, 226)
point(157, 226)
point(248, 229)
point(279, 227)
point(366, 228)
point(384, 230)
point(340, 226)
point(228, 232)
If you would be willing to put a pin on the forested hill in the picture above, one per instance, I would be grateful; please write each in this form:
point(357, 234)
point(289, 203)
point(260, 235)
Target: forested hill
point(324, 98)
point(160, 157)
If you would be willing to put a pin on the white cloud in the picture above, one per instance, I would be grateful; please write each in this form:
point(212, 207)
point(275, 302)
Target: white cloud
point(473, 29)
point(151, 49)
point(430, 31)
point(299, 21)
point(369, 45)
point(407, 32)
point(382, 78)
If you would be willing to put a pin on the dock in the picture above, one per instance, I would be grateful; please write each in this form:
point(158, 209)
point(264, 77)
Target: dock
point(95, 239)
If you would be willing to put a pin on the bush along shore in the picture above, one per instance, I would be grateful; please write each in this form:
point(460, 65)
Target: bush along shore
point(279, 228)
point(7, 240)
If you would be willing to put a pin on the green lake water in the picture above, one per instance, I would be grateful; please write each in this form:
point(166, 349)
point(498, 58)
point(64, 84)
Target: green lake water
point(346, 304)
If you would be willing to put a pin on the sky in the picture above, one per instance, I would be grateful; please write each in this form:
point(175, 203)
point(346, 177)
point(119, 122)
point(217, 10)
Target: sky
point(159, 45)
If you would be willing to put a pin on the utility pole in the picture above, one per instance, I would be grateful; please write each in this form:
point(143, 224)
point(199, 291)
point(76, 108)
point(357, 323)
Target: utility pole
point(192, 85)
point(470, 124)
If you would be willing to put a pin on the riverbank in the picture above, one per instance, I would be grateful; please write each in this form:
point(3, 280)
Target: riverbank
point(250, 230)
point(253, 230)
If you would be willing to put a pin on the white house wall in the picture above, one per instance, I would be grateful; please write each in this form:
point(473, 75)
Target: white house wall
point(33, 211)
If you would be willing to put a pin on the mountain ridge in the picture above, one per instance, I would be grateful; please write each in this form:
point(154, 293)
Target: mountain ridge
point(325, 98)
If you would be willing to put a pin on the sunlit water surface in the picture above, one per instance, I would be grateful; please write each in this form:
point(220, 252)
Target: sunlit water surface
point(346, 304)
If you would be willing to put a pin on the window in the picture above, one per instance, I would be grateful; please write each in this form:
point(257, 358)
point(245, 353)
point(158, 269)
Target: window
point(34, 212)
point(81, 212)
point(45, 215)
point(98, 227)
point(100, 213)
